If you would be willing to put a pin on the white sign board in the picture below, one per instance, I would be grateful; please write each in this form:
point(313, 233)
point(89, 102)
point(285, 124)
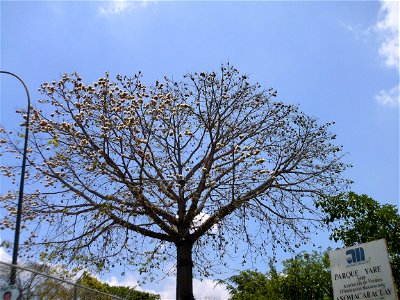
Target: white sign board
point(362, 272)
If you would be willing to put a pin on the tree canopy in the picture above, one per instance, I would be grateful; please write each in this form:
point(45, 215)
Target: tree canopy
point(121, 172)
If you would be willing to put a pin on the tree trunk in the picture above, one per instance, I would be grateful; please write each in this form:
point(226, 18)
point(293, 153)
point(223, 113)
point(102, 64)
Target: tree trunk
point(184, 278)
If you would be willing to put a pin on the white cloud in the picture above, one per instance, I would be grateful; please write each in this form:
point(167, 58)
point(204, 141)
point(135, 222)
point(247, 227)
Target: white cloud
point(389, 97)
point(168, 290)
point(116, 7)
point(128, 280)
point(205, 289)
point(201, 218)
point(4, 256)
point(202, 290)
point(208, 289)
point(388, 29)
point(386, 32)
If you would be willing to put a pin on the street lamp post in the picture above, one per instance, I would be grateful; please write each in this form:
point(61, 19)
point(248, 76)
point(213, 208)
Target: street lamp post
point(21, 186)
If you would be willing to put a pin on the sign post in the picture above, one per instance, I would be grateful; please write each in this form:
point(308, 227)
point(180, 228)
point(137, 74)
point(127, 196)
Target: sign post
point(362, 272)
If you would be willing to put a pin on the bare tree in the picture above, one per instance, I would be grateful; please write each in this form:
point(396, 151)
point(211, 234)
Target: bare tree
point(179, 170)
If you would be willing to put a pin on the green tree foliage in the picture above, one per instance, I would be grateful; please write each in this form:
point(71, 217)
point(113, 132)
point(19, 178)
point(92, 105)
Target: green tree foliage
point(362, 219)
point(122, 172)
point(254, 285)
point(305, 277)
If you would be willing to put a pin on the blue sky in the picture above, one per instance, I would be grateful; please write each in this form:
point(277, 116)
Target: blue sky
point(337, 60)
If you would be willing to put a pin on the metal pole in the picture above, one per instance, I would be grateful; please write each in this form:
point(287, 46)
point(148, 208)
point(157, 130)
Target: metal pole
point(21, 186)
point(75, 292)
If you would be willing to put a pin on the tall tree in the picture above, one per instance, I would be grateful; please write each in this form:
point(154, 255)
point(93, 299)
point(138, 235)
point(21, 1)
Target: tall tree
point(139, 175)
point(362, 219)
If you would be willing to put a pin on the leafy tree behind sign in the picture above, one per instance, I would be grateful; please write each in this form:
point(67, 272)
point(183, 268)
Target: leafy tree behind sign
point(138, 175)
point(305, 277)
point(365, 220)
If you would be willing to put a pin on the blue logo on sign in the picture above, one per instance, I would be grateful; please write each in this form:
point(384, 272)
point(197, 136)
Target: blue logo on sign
point(355, 255)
